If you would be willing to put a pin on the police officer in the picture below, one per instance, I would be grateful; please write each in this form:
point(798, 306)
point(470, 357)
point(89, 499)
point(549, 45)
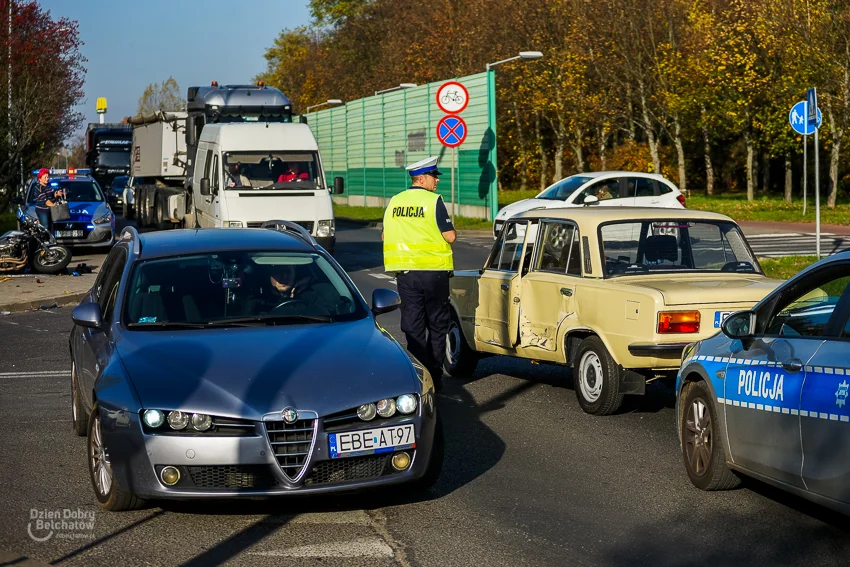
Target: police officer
point(418, 233)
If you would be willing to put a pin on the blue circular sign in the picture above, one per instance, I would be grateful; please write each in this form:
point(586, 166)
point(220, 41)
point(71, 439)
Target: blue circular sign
point(451, 131)
point(797, 118)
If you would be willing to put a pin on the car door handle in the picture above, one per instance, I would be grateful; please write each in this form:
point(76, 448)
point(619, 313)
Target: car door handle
point(506, 287)
point(566, 291)
point(793, 365)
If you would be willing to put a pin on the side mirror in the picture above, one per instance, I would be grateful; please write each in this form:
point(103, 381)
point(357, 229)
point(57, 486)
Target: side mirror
point(740, 325)
point(591, 200)
point(88, 315)
point(339, 185)
point(384, 300)
point(205, 186)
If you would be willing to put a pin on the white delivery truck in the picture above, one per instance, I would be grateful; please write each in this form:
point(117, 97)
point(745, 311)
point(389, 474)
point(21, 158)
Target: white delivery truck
point(230, 165)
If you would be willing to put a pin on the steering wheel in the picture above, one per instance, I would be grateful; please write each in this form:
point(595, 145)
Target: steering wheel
point(283, 304)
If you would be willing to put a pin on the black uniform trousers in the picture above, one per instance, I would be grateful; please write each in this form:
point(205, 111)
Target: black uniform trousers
point(425, 317)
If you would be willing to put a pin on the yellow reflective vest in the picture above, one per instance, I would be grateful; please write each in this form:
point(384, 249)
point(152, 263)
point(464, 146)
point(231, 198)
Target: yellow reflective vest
point(412, 239)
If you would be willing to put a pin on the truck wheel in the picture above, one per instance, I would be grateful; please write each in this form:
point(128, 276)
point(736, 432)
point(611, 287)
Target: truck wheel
point(596, 378)
point(461, 360)
point(161, 219)
point(127, 211)
point(702, 442)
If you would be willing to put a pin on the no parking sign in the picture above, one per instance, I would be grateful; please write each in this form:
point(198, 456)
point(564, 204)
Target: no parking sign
point(451, 131)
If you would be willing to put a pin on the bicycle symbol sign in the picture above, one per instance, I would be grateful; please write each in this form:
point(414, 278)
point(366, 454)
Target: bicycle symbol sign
point(451, 131)
point(452, 97)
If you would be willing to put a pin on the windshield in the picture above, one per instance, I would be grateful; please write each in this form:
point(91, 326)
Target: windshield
point(119, 182)
point(113, 158)
point(76, 191)
point(640, 247)
point(561, 190)
point(271, 170)
point(242, 286)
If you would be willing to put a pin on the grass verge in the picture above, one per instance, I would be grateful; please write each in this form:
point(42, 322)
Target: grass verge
point(376, 214)
point(784, 268)
point(768, 209)
point(8, 222)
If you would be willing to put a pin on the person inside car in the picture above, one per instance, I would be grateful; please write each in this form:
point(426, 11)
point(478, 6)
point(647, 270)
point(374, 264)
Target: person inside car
point(293, 173)
point(235, 176)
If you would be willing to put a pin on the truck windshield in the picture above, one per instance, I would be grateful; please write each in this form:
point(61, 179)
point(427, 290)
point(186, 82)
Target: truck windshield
point(240, 288)
point(640, 247)
point(113, 158)
point(271, 170)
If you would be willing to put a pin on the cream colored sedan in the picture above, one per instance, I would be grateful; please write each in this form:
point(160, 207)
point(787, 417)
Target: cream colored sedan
point(614, 293)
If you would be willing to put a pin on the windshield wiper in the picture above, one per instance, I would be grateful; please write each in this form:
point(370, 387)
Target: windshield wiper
point(169, 325)
point(273, 319)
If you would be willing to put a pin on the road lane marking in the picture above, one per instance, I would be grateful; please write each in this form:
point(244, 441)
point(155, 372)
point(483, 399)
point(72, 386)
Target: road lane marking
point(373, 547)
point(46, 373)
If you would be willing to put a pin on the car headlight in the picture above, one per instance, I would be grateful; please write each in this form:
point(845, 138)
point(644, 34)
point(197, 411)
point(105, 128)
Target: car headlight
point(178, 419)
point(367, 412)
point(386, 407)
point(325, 228)
point(201, 421)
point(153, 418)
point(235, 224)
point(103, 219)
point(406, 403)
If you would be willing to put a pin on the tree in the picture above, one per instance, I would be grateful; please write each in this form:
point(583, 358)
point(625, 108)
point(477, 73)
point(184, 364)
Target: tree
point(47, 81)
point(161, 96)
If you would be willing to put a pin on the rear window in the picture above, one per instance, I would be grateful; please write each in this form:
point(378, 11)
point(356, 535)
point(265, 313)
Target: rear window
point(641, 247)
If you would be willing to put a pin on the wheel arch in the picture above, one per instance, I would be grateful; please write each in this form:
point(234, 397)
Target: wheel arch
point(573, 338)
point(455, 312)
point(690, 375)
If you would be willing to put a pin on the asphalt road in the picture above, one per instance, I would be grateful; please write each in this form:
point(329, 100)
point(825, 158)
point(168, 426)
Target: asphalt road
point(529, 479)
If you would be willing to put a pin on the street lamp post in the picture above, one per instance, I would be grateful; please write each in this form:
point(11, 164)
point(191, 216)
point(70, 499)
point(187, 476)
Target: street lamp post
point(332, 101)
point(401, 86)
point(491, 118)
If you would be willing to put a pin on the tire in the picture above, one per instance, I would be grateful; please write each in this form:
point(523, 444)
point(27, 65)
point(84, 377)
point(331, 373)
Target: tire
point(161, 224)
point(79, 419)
point(55, 260)
point(461, 360)
point(127, 211)
point(110, 496)
point(703, 449)
point(596, 378)
point(435, 463)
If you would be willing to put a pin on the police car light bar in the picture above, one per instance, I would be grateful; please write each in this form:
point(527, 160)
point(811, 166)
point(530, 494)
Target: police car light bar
point(69, 171)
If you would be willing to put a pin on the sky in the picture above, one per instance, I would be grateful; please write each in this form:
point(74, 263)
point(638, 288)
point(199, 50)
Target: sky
point(130, 44)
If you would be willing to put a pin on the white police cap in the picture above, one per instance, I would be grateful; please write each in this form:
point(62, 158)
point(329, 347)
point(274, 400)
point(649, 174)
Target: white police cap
point(427, 165)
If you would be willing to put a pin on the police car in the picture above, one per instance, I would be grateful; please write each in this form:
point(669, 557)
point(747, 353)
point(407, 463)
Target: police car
point(92, 222)
point(769, 396)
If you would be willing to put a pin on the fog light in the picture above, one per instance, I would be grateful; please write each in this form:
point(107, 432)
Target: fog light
point(386, 408)
point(153, 418)
point(367, 412)
point(178, 419)
point(401, 461)
point(169, 475)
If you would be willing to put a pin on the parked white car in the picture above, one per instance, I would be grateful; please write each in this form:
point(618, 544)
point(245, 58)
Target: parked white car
point(605, 189)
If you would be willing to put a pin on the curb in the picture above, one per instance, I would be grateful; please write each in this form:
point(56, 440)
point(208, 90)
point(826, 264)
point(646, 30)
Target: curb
point(34, 305)
point(18, 560)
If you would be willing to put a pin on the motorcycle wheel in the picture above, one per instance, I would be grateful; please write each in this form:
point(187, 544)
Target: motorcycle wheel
point(52, 261)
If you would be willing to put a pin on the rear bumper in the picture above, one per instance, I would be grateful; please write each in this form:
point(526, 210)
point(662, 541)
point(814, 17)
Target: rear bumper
point(666, 350)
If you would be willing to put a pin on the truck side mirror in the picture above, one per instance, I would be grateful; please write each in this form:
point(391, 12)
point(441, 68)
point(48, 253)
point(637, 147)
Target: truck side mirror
point(339, 185)
point(302, 119)
point(205, 186)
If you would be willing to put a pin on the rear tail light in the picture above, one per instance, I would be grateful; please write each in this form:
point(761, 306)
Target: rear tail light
point(681, 199)
point(672, 322)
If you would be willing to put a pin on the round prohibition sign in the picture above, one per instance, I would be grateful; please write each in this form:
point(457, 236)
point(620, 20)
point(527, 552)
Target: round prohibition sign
point(452, 97)
point(451, 131)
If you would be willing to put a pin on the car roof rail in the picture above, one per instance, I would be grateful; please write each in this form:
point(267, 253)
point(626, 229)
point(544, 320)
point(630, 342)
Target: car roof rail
point(289, 226)
point(131, 234)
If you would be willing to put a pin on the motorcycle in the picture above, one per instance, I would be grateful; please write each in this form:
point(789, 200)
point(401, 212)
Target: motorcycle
point(32, 245)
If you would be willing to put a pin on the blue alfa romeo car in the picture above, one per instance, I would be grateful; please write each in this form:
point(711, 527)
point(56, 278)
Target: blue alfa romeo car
point(769, 397)
point(92, 222)
point(241, 363)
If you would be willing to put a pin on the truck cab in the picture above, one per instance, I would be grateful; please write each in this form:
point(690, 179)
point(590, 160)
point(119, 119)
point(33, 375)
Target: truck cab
point(247, 173)
point(108, 151)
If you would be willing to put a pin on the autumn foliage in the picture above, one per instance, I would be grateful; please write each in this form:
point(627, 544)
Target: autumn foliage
point(697, 89)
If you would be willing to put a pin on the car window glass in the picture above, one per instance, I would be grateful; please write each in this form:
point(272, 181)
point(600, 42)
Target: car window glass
point(104, 271)
point(574, 265)
point(603, 190)
point(511, 253)
point(808, 314)
point(555, 243)
point(214, 179)
point(202, 158)
point(663, 188)
point(641, 187)
point(562, 189)
point(110, 287)
point(496, 253)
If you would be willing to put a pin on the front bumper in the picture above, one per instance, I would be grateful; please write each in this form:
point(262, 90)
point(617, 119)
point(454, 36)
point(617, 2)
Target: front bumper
point(246, 466)
point(100, 235)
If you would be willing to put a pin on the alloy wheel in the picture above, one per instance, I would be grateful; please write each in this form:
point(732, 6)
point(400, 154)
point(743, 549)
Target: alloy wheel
point(100, 466)
point(698, 440)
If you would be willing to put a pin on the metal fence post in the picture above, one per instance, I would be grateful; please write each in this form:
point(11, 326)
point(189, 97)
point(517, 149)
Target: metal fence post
point(491, 126)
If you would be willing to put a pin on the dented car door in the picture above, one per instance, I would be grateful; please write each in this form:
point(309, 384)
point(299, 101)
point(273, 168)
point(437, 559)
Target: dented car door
point(548, 291)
